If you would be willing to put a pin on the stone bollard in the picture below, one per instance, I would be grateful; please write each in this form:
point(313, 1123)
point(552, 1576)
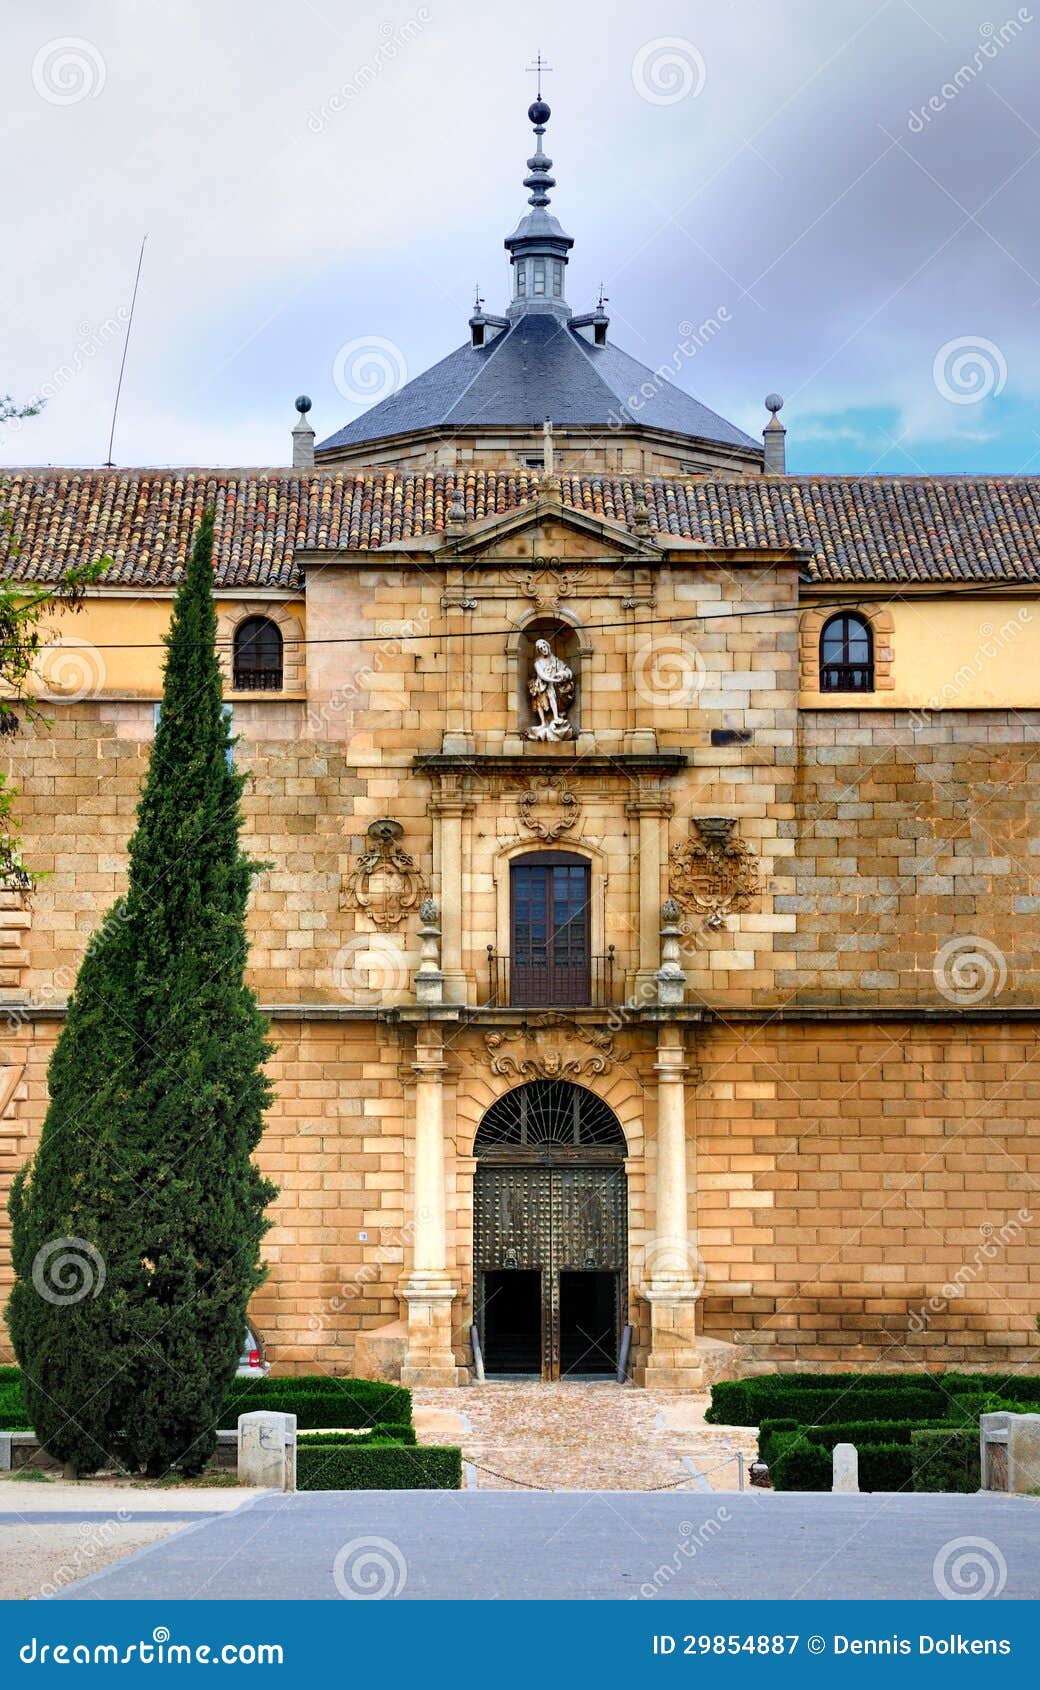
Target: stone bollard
point(267, 1450)
point(846, 1468)
point(1010, 1452)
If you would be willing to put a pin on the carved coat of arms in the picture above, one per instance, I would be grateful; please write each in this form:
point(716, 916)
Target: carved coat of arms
point(713, 872)
point(384, 883)
point(538, 1059)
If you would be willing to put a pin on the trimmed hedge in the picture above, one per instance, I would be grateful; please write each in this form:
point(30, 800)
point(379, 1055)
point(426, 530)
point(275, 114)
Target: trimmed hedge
point(858, 1432)
point(816, 1406)
point(804, 1464)
point(800, 1465)
point(946, 1459)
point(377, 1467)
point(321, 1402)
point(814, 1397)
point(769, 1435)
point(372, 1435)
point(362, 1403)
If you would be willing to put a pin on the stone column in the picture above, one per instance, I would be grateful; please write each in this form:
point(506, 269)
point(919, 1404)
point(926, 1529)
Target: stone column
point(449, 808)
point(428, 1291)
point(672, 1260)
point(652, 811)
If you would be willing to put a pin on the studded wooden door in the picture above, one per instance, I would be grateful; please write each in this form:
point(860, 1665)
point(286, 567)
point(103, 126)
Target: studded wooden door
point(552, 1218)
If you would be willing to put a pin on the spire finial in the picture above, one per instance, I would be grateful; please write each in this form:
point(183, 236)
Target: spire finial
point(538, 178)
point(539, 65)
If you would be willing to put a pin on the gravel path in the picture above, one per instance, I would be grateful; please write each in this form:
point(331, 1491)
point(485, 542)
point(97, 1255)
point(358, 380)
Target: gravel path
point(571, 1436)
point(53, 1533)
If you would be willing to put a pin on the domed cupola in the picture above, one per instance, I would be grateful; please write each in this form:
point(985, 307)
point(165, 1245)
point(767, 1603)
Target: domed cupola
point(538, 246)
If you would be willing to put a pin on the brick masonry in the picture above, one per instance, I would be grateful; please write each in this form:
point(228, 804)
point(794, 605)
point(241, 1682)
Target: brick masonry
point(855, 1136)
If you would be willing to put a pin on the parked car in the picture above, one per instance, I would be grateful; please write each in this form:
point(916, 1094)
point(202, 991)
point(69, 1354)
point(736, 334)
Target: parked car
point(253, 1362)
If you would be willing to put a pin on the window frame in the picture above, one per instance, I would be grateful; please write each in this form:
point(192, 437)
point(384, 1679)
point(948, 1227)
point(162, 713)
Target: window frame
point(846, 674)
point(248, 626)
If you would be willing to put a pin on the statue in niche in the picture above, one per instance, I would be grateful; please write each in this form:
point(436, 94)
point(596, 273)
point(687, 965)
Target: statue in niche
point(551, 686)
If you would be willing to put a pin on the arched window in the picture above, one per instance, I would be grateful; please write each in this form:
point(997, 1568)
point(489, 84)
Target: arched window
point(258, 656)
point(549, 1113)
point(846, 654)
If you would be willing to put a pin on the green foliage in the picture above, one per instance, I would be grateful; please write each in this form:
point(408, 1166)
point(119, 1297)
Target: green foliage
point(144, 1173)
point(946, 1459)
point(815, 1398)
point(355, 1402)
point(769, 1434)
point(801, 1465)
point(378, 1467)
point(391, 1434)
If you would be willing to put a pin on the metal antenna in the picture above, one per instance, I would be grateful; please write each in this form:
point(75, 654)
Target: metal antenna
point(109, 463)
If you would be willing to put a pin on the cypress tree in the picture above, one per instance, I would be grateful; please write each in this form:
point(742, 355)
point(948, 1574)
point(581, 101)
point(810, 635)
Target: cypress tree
point(137, 1224)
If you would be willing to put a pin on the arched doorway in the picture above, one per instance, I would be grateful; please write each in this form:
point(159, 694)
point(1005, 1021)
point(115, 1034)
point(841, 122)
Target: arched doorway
point(550, 1233)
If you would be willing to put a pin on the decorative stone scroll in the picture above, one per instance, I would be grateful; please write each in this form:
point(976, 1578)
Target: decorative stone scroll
point(547, 582)
point(713, 872)
point(384, 883)
point(542, 1060)
point(549, 809)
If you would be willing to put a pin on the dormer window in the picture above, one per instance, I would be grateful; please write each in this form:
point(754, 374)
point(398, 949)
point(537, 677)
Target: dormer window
point(539, 276)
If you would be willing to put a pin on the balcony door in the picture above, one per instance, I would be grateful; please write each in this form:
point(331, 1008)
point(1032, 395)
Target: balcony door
point(550, 950)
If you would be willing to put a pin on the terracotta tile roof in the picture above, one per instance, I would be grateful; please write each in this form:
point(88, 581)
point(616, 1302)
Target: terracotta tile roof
point(869, 529)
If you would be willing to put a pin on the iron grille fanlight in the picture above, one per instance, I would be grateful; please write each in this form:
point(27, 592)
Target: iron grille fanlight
point(546, 1112)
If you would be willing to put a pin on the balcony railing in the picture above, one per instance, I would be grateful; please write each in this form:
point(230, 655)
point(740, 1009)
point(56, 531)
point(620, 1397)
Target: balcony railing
point(257, 680)
point(538, 983)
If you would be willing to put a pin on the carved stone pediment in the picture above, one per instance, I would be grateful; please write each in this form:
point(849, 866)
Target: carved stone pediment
point(549, 809)
point(713, 872)
point(384, 883)
point(549, 1047)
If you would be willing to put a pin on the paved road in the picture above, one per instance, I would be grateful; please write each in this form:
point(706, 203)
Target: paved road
point(502, 1545)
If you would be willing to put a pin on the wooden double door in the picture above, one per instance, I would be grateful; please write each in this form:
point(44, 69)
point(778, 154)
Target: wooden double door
point(550, 1259)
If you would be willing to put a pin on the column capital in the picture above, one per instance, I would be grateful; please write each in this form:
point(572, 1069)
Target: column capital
point(650, 804)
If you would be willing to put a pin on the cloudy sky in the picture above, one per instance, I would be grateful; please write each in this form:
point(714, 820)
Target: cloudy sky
point(844, 193)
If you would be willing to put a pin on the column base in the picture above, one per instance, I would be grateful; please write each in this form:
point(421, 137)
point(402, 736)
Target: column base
point(429, 1358)
point(674, 1363)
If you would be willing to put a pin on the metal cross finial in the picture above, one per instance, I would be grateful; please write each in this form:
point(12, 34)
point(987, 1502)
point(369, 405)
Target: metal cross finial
point(539, 65)
point(603, 297)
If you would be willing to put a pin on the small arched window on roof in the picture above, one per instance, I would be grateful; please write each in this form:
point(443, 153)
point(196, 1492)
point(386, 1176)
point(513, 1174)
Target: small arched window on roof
point(258, 655)
point(846, 654)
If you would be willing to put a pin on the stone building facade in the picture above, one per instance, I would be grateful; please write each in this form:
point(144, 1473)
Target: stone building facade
point(650, 930)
